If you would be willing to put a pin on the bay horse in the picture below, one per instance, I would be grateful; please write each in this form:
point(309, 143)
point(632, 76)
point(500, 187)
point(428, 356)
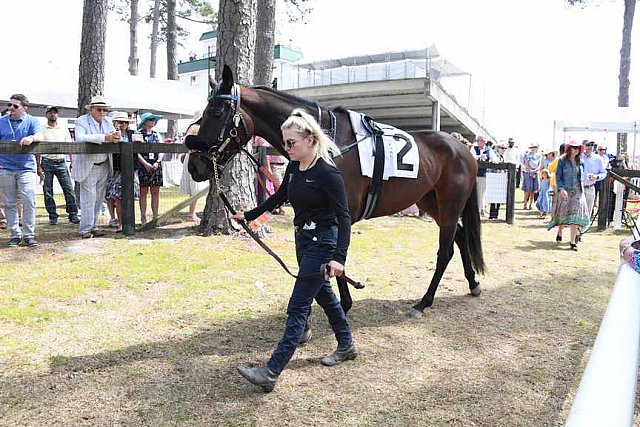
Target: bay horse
point(445, 187)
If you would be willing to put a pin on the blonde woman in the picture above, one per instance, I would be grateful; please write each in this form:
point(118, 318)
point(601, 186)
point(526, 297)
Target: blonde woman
point(315, 189)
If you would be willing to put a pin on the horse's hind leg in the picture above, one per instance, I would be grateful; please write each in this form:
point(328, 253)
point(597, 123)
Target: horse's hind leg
point(345, 301)
point(469, 273)
point(445, 253)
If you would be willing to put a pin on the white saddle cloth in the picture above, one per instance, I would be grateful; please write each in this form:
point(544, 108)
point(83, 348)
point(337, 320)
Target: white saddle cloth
point(400, 150)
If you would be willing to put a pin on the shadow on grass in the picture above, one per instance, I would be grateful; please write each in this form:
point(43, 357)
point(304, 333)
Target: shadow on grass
point(200, 386)
point(252, 335)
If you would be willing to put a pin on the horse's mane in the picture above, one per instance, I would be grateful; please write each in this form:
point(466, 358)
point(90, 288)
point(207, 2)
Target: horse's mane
point(287, 97)
point(283, 95)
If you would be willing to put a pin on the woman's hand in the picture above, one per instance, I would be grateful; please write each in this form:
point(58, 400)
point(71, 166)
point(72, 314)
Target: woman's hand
point(238, 216)
point(335, 269)
point(564, 194)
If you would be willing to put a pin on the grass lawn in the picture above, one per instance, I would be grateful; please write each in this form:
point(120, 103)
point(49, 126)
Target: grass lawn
point(147, 331)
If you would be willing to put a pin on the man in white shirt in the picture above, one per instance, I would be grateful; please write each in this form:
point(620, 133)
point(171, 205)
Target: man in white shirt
point(91, 171)
point(55, 165)
point(593, 172)
point(512, 155)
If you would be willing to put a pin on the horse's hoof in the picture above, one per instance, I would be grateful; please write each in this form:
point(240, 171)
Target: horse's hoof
point(413, 314)
point(475, 292)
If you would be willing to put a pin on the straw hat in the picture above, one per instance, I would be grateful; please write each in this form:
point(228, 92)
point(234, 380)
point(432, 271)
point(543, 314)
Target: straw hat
point(97, 101)
point(121, 116)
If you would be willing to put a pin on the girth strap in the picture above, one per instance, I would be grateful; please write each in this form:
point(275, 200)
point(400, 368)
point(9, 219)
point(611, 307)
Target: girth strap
point(378, 169)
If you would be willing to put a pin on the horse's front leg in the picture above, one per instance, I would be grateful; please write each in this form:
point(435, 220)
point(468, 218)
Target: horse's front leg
point(308, 333)
point(345, 296)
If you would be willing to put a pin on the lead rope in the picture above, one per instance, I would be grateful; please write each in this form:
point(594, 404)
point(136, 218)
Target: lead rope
point(323, 273)
point(243, 223)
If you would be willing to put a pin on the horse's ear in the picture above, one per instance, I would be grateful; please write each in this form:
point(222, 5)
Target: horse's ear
point(227, 79)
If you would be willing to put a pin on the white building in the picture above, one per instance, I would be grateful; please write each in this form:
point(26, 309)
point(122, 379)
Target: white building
point(196, 71)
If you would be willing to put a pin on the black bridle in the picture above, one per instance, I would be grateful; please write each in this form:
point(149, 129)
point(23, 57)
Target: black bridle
point(231, 123)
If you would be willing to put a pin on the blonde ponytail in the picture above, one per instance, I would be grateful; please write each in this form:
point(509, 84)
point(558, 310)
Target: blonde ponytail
point(303, 122)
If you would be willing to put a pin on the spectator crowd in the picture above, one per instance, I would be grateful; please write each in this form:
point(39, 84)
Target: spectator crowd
point(562, 184)
point(90, 183)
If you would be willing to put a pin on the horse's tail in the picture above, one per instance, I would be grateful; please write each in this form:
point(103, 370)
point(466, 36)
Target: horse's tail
point(471, 231)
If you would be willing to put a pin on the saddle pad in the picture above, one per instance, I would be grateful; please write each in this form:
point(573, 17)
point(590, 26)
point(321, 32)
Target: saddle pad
point(400, 150)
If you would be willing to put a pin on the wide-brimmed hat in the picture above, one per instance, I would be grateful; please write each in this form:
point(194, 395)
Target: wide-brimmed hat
point(121, 116)
point(601, 147)
point(502, 145)
point(533, 145)
point(148, 116)
point(97, 101)
point(575, 144)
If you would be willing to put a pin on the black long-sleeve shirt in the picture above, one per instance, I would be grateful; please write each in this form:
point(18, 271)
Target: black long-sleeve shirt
point(317, 195)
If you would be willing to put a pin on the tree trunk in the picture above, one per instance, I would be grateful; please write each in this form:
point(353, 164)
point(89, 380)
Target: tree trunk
point(236, 44)
point(92, 52)
point(625, 65)
point(236, 38)
point(133, 38)
point(154, 38)
point(172, 63)
point(263, 54)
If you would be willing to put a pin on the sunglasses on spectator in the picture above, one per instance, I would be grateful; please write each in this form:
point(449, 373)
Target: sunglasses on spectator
point(14, 106)
point(102, 109)
point(289, 143)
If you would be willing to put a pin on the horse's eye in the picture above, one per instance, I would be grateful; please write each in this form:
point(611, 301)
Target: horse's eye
point(217, 112)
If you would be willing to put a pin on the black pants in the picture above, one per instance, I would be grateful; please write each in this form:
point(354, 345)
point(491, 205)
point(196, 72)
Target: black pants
point(494, 210)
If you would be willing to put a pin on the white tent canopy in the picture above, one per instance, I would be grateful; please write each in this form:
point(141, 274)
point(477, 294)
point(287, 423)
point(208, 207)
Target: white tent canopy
point(49, 86)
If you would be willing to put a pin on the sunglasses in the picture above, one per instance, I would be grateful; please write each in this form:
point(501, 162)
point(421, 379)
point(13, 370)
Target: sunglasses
point(102, 110)
point(14, 106)
point(289, 143)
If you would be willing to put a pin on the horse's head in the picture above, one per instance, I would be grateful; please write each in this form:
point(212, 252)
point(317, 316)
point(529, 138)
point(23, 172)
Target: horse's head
point(224, 130)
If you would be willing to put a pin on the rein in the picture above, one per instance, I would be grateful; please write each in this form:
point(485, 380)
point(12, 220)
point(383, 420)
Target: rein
point(323, 273)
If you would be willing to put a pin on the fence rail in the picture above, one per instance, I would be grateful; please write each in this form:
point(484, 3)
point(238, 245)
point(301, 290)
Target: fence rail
point(607, 393)
point(126, 151)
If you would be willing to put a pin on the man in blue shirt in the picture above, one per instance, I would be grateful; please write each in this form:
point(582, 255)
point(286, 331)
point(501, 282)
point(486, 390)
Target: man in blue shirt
point(593, 172)
point(18, 171)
